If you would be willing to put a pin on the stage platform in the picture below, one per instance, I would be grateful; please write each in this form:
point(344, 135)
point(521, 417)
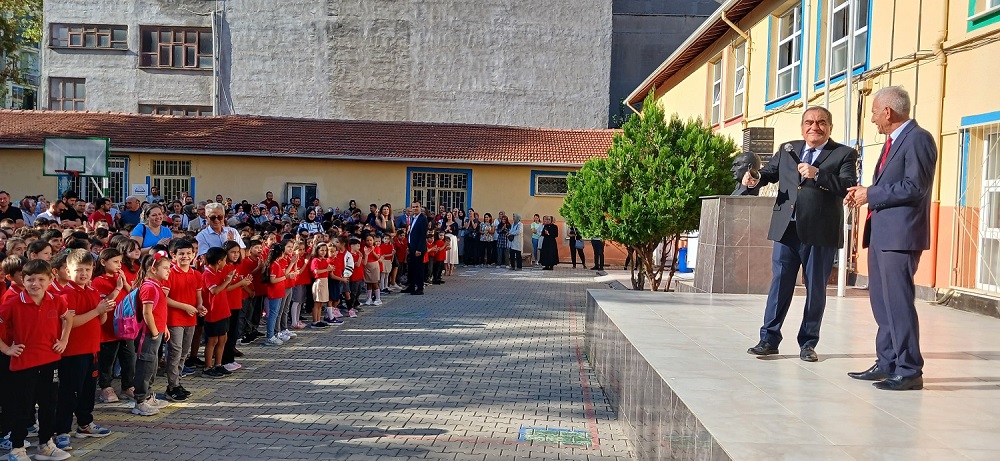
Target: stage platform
point(676, 369)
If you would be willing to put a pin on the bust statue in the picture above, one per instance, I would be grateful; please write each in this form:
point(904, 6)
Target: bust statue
point(746, 161)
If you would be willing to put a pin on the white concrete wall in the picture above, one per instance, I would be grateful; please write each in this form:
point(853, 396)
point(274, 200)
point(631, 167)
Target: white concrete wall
point(512, 62)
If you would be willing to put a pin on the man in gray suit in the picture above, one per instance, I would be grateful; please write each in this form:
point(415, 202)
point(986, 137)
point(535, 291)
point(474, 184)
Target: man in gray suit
point(897, 230)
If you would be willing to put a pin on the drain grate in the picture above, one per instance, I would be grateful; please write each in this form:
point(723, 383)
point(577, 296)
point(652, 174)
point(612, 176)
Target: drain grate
point(555, 436)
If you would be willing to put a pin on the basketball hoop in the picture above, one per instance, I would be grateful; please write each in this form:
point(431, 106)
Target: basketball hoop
point(72, 173)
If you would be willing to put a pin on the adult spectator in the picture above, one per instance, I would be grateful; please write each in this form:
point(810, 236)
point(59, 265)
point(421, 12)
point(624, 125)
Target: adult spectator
point(575, 245)
point(217, 233)
point(417, 246)
point(56, 209)
point(536, 229)
point(9, 212)
point(549, 246)
point(132, 213)
point(152, 231)
point(598, 245)
point(897, 231)
point(28, 212)
point(177, 216)
point(269, 202)
point(200, 221)
point(102, 212)
point(372, 215)
point(154, 195)
point(71, 217)
point(403, 220)
point(516, 237)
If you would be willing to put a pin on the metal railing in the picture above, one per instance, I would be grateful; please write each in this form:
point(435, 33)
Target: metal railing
point(975, 258)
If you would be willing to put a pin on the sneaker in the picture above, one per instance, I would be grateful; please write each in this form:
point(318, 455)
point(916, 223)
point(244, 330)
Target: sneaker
point(92, 430)
point(290, 334)
point(273, 341)
point(145, 409)
point(248, 339)
point(33, 431)
point(194, 362)
point(337, 312)
point(231, 367)
point(50, 452)
point(176, 395)
point(378, 302)
point(18, 454)
point(181, 389)
point(222, 370)
point(6, 444)
point(108, 395)
point(299, 326)
point(211, 373)
point(186, 371)
point(63, 442)
point(157, 402)
point(129, 393)
point(352, 313)
point(336, 322)
point(320, 324)
point(284, 337)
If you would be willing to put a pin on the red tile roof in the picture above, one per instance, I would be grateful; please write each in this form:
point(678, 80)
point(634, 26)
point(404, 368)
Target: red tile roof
point(312, 138)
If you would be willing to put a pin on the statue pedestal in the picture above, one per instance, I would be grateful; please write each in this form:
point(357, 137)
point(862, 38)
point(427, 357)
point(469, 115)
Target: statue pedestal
point(734, 254)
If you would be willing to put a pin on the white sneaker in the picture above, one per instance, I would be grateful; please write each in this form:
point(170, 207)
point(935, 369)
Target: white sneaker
point(232, 366)
point(290, 334)
point(368, 302)
point(145, 409)
point(378, 302)
point(273, 341)
point(157, 402)
point(17, 454)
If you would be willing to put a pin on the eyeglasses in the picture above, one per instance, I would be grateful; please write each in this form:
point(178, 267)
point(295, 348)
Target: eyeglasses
point(215, 218)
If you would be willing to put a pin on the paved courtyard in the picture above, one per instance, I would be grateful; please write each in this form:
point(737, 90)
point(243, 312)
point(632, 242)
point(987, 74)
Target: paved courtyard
point(484, 367)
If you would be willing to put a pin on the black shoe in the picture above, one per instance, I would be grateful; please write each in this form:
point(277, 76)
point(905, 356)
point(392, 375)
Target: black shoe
point(408, 290)
point(222, 370)
point(899, 383)
point(175, 395)
point(320, 324)
point(194, 362)
point(808, 354)
point(871, 374)
point(762, 348)
point(418, 292)
point(211, 373)
point(248, 339)
point(595, 268)
point(237, 353)
point(182, 390)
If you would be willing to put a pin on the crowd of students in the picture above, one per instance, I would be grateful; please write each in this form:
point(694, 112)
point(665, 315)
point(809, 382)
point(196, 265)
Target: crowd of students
point(198, 299)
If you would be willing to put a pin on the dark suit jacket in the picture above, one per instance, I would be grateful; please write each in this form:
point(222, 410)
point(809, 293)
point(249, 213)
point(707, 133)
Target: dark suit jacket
point(418, 234)
point(817, 203)
point(900, 194)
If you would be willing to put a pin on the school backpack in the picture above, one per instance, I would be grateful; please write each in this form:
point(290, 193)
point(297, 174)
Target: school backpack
point(127, 324)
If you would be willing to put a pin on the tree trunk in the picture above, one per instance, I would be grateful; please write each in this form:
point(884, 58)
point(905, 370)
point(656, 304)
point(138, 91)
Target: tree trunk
point(673, 265)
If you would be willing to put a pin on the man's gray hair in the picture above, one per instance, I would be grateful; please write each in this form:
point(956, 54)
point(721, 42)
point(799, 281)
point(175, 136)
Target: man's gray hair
point(131, 197)
point(215, 206)
point(827, 113)
point(895, 98)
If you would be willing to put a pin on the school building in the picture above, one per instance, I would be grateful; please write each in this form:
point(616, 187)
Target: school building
point(487, 167)
point(754, 64)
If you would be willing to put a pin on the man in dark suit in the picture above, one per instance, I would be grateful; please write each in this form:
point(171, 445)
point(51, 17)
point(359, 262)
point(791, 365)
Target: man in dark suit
point(897, 230)
point(813, 177)
point(417, 244)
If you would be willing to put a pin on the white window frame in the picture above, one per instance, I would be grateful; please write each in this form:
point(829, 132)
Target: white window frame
point(716, 111)
point(794, 40)
point(300, 190)
point(860, 34)
point(991, 148)
point(538, 190)
point(987, 7)
point(739, 79)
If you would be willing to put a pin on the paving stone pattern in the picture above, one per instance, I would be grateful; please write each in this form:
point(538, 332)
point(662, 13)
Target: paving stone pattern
point(457, 374)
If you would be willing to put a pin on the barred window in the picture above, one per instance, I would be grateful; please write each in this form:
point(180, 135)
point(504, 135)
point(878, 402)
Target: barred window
point(177, 48)
point(439, 188)
point(550, 185)
point(171, 177)
point(92, 36)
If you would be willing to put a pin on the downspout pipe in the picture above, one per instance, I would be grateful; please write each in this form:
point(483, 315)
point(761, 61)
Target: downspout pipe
point(942, 57)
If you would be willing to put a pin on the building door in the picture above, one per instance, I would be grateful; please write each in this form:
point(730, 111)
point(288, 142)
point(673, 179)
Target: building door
point(988, 264)
point(434, 188)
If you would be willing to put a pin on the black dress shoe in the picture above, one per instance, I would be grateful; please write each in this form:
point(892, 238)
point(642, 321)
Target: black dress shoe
point(763, 348)
point(808, 354)
point(418, 292)
point(871, 374)
point(899, 383)
point(408, 290)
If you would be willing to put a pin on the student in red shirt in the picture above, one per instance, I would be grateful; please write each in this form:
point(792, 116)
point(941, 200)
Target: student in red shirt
point(399, 267)
point(302, 285)
point(373, 271)
point(38, 326)
point(342, 267)
point(320, 269)
point(110, 283)
point(238, 292)
point(254, 312)
point(154, 272)
point(185, 303)
point(12, 267)
point(357, 278)
point(274, 274)
point(217, 281)
point(60, 274)
point(387, 253)
point(78, 366)
point(440, 256)
point(429, 257)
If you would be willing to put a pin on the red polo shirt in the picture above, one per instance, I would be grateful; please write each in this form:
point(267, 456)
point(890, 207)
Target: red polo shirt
point(102, 216)
point(276, 290)
point(86, 338)
point(218, 306)
point(152, 292)
point(183, 287)
point(105, 284)
point(36, 326)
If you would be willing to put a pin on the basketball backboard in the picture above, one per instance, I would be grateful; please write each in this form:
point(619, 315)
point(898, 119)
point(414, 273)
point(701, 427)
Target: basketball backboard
point(87, 156)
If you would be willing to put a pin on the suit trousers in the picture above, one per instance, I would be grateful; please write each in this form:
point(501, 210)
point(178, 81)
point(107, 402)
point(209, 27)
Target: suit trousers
point(892, 293)
point(415, 274)
point(788, 255)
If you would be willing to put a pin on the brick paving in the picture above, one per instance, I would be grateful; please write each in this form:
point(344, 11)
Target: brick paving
point(452, 375)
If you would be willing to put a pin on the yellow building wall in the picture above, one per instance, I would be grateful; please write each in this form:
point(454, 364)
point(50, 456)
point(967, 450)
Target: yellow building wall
point(899, 31)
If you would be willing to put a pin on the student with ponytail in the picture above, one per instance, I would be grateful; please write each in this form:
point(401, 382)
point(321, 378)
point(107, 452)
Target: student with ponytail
point(154, 270)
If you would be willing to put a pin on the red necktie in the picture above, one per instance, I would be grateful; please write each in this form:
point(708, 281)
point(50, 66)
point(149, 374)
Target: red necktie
point(881, 164)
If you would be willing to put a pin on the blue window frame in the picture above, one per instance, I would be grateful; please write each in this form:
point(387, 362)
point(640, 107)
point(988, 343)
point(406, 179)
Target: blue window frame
point(784, 57)
point(548, 183)
point(839, 21)
point(439, 186)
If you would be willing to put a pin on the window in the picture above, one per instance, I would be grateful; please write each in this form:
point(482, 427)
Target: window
point(304, 192)
point(786, 70)
point(188, 111)
point(739, 80)
point(988, 273)
point(432, 188)
point(840, 24)
point(983, 13)
point(171, 176)
point(176, 48)
point(67, 94)
point(716, 91)
point(98, 37)
point(549, 183)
